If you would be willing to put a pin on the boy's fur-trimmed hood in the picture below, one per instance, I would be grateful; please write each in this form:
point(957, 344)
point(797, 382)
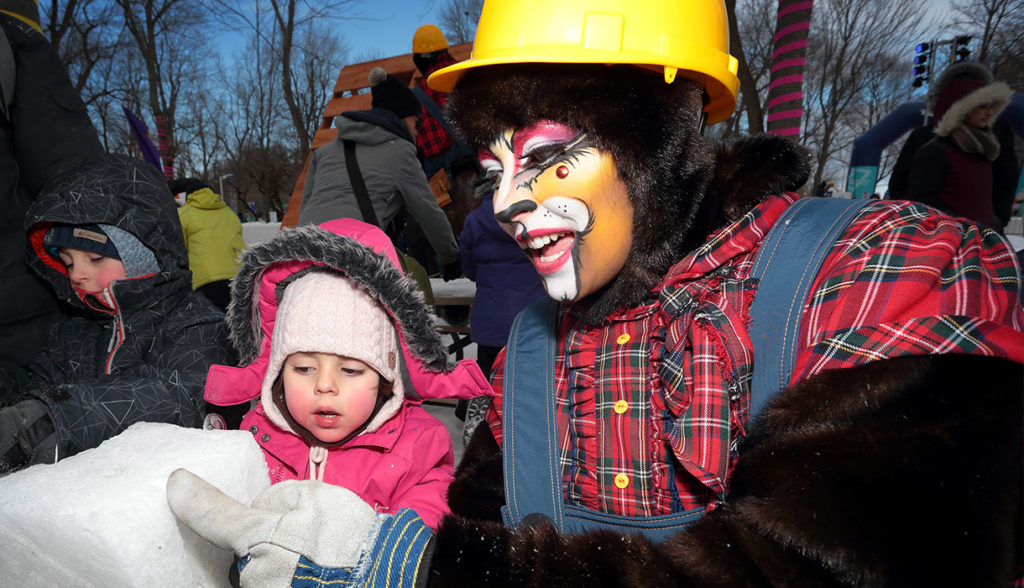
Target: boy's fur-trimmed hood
point(682, 189)
point(364, 255)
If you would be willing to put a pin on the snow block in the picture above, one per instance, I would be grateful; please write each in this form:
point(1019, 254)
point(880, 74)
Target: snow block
point(100, 518)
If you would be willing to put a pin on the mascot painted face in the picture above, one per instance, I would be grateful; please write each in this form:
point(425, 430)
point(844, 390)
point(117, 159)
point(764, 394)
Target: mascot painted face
point(562, 200)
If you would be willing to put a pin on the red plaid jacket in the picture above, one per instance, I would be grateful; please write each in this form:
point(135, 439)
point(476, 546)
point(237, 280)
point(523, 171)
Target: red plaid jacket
point(652, 401)
point(431, 137)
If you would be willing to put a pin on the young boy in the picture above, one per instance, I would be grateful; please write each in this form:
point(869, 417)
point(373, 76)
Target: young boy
point(106, 237)
point(89, 256)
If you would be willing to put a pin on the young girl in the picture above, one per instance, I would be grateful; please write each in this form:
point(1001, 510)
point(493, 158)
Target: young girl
point(338, 345)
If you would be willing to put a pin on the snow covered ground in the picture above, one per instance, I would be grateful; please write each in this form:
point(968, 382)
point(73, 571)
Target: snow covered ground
point(254, 233)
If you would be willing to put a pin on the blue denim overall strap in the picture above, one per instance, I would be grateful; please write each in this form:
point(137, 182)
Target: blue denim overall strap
point(528, 453)
point(786, 265)
point(533, 474)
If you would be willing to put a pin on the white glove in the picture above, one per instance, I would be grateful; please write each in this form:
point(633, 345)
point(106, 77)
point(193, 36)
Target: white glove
point(328, 524)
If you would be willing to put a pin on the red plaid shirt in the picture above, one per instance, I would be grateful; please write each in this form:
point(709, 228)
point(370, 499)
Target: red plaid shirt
point(652, 402)
point(431, 137)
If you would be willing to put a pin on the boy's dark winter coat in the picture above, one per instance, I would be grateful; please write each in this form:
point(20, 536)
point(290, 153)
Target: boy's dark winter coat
point(102, 370)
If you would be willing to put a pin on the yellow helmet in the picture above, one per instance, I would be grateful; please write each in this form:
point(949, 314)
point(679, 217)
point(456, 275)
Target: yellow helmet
point(688, 37)
point(428, 38)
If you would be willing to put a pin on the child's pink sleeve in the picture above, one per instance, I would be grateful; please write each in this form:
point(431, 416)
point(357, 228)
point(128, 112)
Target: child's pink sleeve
point(431, 461)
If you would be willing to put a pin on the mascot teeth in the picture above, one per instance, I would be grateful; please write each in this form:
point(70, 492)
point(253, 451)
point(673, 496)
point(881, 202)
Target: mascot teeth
point(538, 242)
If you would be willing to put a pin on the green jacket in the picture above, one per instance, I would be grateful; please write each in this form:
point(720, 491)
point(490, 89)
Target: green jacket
point(213, 236)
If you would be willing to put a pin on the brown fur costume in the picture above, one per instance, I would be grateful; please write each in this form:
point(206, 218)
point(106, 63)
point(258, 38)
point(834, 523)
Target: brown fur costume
point(899, 472)
point(650, 128)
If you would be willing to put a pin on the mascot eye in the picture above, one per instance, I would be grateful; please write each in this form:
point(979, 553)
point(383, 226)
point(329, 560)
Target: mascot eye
point(547, 155)
point(544, 156)
point(491, 176)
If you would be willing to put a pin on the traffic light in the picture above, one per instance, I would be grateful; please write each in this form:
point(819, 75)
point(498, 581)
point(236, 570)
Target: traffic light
point(960, 50)
point(923, 53)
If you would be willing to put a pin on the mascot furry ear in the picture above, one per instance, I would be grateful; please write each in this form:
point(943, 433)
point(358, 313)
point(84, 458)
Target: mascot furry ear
point(651, 129)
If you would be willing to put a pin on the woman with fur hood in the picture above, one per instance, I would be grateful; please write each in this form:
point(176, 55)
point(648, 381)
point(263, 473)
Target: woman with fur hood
point(336, 290)
point(889, 454)
point(1005, 168)
point(955, 170)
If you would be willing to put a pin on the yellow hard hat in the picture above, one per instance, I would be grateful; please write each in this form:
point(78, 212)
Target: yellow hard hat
point(428, 38)
point(685, 37)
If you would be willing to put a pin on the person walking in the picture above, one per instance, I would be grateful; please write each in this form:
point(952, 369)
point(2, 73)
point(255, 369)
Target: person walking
point(213, 237)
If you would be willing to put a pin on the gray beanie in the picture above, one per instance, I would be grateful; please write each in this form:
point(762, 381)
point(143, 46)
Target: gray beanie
point(108, 240)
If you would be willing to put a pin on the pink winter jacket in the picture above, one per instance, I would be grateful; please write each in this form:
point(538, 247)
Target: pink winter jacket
point(412, 448)
point(407, 463)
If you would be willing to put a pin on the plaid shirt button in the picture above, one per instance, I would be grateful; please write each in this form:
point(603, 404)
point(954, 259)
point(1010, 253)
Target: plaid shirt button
point(623, 339)
point(621, 480)
point(621, 407)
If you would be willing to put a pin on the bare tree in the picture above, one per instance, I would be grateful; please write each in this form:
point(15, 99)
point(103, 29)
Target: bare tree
point(750, 41)
point(459, 18)
point(850, 42)
point(999, 26)
point(85, 34)
point(290, 19)
point(890, 88)
point(266, 175)
point(202, 126)
point(116, 82)
point(319, 57)
point(159, 29)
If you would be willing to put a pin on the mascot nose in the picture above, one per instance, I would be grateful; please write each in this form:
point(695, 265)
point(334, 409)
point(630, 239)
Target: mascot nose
point(523, 206)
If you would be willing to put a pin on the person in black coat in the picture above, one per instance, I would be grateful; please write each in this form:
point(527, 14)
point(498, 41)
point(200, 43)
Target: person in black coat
point(956, 170)
point(43, 129)
point(1006, 167)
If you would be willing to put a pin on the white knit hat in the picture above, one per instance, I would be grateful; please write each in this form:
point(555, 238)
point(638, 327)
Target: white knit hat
point(323, 312)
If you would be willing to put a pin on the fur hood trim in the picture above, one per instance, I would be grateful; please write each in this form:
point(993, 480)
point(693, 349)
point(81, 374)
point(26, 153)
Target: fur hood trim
point(365, 255)
point(306, 247)
point(963, 69)
point(998, 94)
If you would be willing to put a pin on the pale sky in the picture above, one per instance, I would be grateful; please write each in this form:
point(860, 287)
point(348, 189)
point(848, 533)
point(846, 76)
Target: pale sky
point(394, 22)
point(391, 30)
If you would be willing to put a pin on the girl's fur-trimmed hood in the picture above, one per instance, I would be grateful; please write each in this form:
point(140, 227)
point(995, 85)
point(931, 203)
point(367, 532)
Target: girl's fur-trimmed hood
point(363, 254)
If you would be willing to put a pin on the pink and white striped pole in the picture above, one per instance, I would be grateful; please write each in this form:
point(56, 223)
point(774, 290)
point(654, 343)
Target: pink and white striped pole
point(165, 146)
point(785, 106)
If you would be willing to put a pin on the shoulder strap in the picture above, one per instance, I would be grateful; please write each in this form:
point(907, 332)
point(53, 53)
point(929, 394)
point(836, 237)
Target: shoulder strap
point(786, 265)
point(355, 177)
point(435, 111)
point(7, 74)
point(531, 469)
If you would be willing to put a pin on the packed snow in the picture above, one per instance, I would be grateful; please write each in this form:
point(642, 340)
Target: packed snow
point(100, 518)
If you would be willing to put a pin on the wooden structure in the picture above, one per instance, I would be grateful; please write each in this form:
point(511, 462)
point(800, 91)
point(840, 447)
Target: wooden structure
point(352, 92)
